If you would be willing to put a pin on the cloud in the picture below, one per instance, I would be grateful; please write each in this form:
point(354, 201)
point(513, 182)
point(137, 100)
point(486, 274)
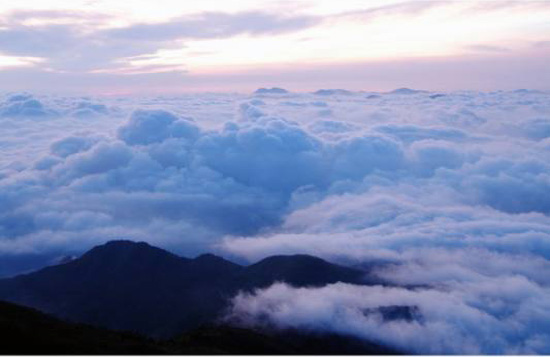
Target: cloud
point(71, 145)
point(446, 322)
point(265, 167)
point(214, 25)
point(148, 127)
point(383, 223)
point(87, 109)
point(536, 129)
point(412, 133)
point(400, 8)
point(447, 194)
point(22, 15)
point(25, 106)
point(77, 45)
point(487, 48)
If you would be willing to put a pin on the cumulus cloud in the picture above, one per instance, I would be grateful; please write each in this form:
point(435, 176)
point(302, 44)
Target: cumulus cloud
point(385, 222)
point(86, 109)
point(148, 127)
point(25, 106)
point(71, 145)
point(446, 193)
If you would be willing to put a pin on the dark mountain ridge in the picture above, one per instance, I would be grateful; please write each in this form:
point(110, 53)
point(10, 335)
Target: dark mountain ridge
point(299, 270)
point(26, 331)
point(30, 332)
point(124, 285)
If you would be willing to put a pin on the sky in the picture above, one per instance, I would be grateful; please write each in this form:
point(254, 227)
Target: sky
point(105, 47)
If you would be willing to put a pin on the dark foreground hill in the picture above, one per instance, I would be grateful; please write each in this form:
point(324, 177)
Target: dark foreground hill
point(131, 286)
point(26, 331)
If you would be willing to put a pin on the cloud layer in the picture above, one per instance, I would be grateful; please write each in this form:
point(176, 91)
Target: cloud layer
point(446, 190)
point(461, 321)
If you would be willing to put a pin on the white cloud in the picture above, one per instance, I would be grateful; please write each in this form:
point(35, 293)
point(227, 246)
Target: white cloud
point(462, 321)
point(447, 192)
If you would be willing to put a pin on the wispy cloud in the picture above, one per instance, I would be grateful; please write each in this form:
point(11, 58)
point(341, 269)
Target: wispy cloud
point(100, 41)
point(79, 47)
point(487, 48)
point(214, 25)
point(402, 8)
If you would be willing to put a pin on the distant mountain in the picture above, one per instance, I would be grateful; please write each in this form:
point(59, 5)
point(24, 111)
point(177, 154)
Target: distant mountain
point(124, 285)
point(328, 92)
point(407, 91)
point(30, 332)
point(297, 270)
point(274, 90)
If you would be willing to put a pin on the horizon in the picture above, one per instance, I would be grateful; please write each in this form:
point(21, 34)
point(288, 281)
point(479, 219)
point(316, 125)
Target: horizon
point(290, 91)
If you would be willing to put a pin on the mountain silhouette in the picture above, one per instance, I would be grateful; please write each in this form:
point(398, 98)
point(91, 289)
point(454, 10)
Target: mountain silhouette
point(30, 332)
point(123, 285)
point(26, 331)
point(298, 270)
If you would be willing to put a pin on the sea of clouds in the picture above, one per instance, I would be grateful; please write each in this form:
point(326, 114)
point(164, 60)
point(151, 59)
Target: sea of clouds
point(446, 193)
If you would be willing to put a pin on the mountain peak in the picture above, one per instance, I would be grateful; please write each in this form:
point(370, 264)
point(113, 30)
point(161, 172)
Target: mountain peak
point(211, 258)
point(213, 263)
point(124, 243)
point(208, 256)
point(295, 257)
point(128, 253)
point(135, 286)
point(291, 260)
point(300, 270)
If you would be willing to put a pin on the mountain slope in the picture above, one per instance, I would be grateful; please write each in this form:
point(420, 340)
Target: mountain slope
point(30, 332)
point(124, 285)
point(298, 270)
point(27, 331)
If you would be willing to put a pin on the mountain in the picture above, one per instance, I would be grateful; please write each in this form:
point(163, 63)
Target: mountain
point(235, 340)
point(297, 270)
point(406, 91)
point(124, 285)
point(328, 92)
point(274, 90)
point(30, 332)
point(127, 286)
